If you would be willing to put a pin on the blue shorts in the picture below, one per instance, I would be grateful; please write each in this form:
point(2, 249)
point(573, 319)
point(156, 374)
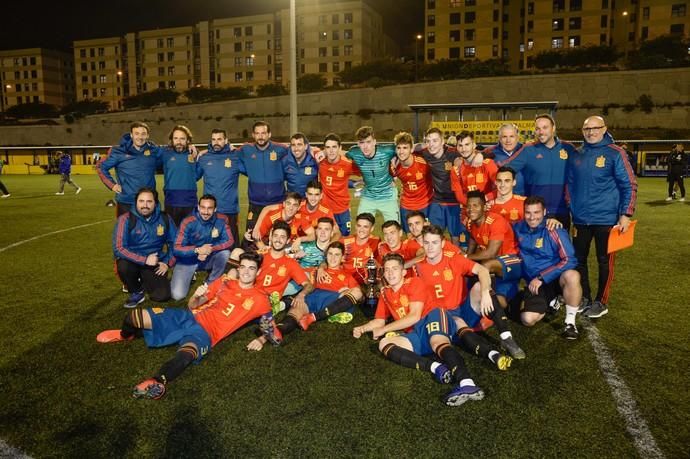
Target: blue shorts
point(466, 313)
point(176, 326)
point(507, 286)
point(403, 216)
point(437, 322)
point(319, 299)
point(344, 222)
point(447, 216)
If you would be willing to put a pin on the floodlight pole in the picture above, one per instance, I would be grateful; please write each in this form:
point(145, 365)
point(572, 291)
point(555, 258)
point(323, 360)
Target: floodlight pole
point(293, 68)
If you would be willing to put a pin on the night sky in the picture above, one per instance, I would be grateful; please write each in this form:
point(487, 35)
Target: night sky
point(55, 24)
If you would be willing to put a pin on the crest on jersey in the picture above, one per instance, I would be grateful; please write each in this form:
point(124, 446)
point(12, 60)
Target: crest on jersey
point(341, 173)
point(215, 232)
point(190, 158)
point(273, 156)
point(563, 154)
point(447, 274)
point(448, 165)
point(480, 177)
point(462, 237)
point(228, 163)
point(307, 170)
point(248, 303)
point(539, 243)
point(514, 214)
point(404, 300)
point(147, 152)
point(601, 161)
point(282, 271)
point(341, 277)
point(160, 230)
point(419, 176)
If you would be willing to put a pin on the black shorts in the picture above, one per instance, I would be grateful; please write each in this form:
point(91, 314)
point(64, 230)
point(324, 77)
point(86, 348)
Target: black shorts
point(539, 302)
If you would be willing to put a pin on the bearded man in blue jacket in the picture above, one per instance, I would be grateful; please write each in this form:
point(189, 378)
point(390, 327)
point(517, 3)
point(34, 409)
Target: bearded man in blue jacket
point(602, 189)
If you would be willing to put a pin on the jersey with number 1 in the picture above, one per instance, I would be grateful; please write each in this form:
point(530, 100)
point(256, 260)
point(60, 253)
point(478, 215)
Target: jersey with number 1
point(446, 279)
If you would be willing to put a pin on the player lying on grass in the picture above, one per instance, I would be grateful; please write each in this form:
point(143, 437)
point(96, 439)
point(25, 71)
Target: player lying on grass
point(335, 295)
point(215, 311)
point(428, 331)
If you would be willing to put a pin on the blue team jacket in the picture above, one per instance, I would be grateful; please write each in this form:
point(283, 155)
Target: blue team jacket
point(221, 172)
point(264, 168)
point(146, 237)
point(195, 232)
point(544, 253)
point(179, 171)
point(65, 165)
point(543, 169)
point(601, 183)
point(298, 175)
point(500, 156)
point(135, 168)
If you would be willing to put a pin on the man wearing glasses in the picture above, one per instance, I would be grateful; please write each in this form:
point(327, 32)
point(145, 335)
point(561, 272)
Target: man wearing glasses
point(603, 191)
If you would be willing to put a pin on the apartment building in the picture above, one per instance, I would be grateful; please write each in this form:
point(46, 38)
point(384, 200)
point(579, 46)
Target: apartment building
point(36, 75)
point(101, 70)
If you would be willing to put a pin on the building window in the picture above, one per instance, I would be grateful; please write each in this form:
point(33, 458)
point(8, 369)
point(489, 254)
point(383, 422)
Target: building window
point(250, 76)
point(170, 42)
point(530, 44)
point(454, 18)
point(430, 4)
point(249, 31)
point(470, 51)
point(171, 70)
point(82, 53)
point(238, 76)
point(575, 5)
point(322, 19)
point(454, 35)
point(336, 67)
point(335, 19)
point(102, 91)
point(645, 12)
point(604, 21)
point(301, 53)
point(335, 51)
point(323, 36)
point(249, 61)
point(84, 67)
point(171, 84)
point(102, 79)
point(249, 46)
point(323, 52)
point(93, 66)
point(347, 50)
point(470, 17)
point(161, 71)
point(557, 42)
point(323, 67)
point(431, 20)
point(602, 39)
point(457, 3)
point(85, 93)
point(505, 34)
point(431, 54)
point(677, 29)
point(431, 37)
point(530, 26)
point(336, 35)
point(347, 18)
point(575, 23)
point(574, 41)
point(84, 79)
point(678, 10)
point(348, 65)
point(472, 2)
point(557, 24)
point(644, 34)
point(530, 8)
point(101, 65)
point(347, 34)
point(495, 18)
point(92, 52)
point(454, 53)
point(495, 50)
point(237, 32)
point(604, 4)
point(558, 6)
point(238, 47)
point(159, 42)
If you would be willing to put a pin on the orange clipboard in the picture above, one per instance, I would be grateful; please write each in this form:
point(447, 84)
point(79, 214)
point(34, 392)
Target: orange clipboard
point(619, 241)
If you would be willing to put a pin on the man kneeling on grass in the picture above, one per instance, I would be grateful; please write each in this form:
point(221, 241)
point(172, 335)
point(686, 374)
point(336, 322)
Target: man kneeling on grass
point(215, 311)
point(428, 331)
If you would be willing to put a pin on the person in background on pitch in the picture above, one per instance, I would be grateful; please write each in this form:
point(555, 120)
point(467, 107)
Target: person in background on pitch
point(138, 240)
point(677, 163)
point(65, 169)
point(3, 188)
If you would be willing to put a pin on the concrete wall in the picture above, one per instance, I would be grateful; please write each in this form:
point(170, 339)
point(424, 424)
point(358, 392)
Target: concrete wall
point(579, 95)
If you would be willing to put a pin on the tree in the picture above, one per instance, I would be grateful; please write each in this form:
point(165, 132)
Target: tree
point(266, 90)
point(386, 70)
point(311, 82)
point(33, 110)
point(86, 107)
point(150, 99)
point(201, 94)
point(663, 51)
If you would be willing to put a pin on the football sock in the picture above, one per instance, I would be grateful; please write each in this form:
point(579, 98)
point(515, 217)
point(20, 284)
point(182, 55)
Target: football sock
point(494, 355)
point(467, 382)
point(342, 304)
point(288, 324)
point(473, 343)
point(406, 358)
point(173, 367)
point(570, 314)
point(454, 360)
point(233, 263)
point(132, 324)
point(498, 315)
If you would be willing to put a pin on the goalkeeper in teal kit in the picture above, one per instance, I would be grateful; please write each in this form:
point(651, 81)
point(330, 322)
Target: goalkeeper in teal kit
point(379, 193)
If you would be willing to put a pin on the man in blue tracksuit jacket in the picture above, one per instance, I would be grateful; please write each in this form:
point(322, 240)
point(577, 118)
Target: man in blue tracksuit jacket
point(299, 164)
point(203, 243)
point(508, 144)
point(602, 189)
point(135, 161)
point(138, 241)
point(542, 164)
point(179, 171)
point(548, 266)
point(263, 162)
point(220, 168)
point(65, 170)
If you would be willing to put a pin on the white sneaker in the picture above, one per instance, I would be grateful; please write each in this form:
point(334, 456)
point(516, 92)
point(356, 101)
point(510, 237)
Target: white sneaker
point(59, 193)
point(669, 198)
point(682, 200)
point(78, 191)
point(6, 195)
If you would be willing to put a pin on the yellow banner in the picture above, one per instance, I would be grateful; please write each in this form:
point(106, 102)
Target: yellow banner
point(485, 132)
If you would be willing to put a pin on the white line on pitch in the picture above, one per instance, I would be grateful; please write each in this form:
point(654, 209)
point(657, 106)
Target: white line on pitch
point(625, 403)
point(51, 233)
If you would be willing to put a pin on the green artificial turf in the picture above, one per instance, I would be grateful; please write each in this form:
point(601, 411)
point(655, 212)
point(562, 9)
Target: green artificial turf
point(322, 394)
